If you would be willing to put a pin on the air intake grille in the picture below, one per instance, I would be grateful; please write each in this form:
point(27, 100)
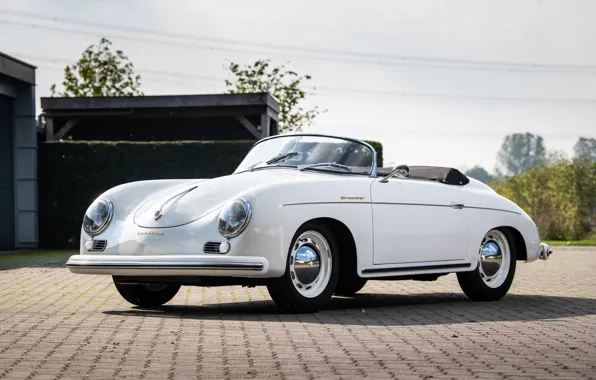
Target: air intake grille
point(99, 245)
point(211, 247)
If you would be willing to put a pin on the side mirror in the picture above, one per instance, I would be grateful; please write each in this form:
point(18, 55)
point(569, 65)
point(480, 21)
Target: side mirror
point(399, 171)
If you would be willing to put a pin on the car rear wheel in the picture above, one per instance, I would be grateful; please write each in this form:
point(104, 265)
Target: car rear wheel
point(146, 295)
point(492, 278)
point(311, 271)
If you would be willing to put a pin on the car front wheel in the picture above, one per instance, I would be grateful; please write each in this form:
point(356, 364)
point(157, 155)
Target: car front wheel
point(146, 295)
point(348, 287)
point(312, 270)
point(492, 278)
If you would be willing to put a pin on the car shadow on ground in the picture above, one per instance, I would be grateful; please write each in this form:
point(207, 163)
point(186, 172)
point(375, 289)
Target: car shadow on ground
point(386, 310)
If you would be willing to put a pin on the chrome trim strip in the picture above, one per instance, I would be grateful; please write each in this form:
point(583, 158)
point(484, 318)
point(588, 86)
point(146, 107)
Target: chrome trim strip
point(492, 209)
point(401, 204)
point(157, 265)
point(325, 203)
point(368, 203)
point(159, 213)
point(410, 204)
point(415, 268)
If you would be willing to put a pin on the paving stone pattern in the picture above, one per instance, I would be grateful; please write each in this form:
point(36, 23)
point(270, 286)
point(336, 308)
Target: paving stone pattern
point(56, 325)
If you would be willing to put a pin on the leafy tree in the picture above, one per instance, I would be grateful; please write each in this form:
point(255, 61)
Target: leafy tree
point(285, 86)
point(521, 151)
point(554, 156)
point(479, 173)
point(100, 72)
point(559, 196)
point(585, 148)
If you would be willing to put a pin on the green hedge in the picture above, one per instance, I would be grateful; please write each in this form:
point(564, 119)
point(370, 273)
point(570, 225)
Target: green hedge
point(73, 174)
point(379, 148)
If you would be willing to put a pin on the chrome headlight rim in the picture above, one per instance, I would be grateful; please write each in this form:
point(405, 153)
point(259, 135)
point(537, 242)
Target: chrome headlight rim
point(106, 222)
point(239, 230)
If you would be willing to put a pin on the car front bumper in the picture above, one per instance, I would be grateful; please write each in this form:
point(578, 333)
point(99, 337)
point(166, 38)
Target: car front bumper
point(181, 265)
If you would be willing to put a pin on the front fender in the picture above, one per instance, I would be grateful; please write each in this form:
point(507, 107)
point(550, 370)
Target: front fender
point(278, 212)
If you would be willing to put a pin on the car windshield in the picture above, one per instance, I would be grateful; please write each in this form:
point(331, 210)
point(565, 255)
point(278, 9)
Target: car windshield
point(301, 151)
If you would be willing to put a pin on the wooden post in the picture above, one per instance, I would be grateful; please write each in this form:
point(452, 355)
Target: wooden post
point(49, 129)
point(265, 123)
point(274, 122)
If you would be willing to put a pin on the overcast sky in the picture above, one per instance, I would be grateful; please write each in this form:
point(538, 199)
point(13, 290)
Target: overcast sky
point(437, 82)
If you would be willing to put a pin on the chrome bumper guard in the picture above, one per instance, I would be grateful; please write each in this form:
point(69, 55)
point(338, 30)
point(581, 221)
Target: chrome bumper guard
point(545, 251)
point(199, 265)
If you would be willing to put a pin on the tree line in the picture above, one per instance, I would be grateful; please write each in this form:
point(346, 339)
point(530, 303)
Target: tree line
point(521, 151)
point(559, 193)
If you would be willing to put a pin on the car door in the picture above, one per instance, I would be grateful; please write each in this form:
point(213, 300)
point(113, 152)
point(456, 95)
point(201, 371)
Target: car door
point(417, 221)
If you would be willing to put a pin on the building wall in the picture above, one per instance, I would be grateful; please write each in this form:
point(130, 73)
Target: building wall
point(7, 212)
point(21, 136)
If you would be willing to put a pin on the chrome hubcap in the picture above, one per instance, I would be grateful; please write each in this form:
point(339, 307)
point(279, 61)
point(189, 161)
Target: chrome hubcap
point(307, 265)
point(310, 264)
point(490, 258)
point(494, 259)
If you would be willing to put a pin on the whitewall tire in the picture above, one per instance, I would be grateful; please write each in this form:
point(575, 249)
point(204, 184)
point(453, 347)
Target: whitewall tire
point(312, 270)
point(493, 276)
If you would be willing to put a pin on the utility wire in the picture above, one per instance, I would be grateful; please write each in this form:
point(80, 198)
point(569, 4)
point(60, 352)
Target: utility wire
point(142, 70)
point(398, 131)
point(183, 77)
point(239, 46)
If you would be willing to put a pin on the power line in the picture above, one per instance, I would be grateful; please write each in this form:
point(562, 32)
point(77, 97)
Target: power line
point(344, 91)
point(467, 134)
point(454, 96)
point(143, 70)
point(305, 52)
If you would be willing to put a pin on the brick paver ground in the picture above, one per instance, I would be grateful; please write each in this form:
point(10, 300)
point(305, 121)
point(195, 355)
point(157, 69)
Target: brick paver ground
point(56, 325)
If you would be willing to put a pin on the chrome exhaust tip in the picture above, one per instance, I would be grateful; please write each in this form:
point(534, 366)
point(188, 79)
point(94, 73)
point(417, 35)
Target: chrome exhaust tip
point(545, 251)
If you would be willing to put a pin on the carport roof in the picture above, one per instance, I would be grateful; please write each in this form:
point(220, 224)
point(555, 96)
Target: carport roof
point(161, 101)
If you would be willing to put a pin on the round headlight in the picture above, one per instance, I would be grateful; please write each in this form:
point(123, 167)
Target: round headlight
point(98, 216)
point(234, 217)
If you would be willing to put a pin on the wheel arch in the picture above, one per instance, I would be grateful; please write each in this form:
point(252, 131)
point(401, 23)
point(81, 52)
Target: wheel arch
point(521, 251)
point(344, 239)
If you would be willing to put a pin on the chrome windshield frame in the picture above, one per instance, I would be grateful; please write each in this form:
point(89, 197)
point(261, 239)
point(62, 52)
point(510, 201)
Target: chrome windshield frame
point(373, 171)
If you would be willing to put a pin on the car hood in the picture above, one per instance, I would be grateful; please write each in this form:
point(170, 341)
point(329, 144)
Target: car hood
point(193, 200)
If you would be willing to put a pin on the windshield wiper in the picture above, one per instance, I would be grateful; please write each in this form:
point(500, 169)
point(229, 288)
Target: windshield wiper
point(278, 158)
point(332, 164)
point(281, 157)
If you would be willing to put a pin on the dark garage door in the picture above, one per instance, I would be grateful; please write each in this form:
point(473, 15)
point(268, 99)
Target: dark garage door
point(6, 174)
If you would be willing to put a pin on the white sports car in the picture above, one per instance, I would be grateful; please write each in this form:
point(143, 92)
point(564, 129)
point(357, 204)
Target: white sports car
point(308, 216)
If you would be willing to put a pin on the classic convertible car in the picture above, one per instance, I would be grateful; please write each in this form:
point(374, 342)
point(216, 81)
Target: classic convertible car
point(308, 216)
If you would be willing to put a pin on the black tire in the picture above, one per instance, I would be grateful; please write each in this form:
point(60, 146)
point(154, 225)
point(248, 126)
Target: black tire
point(146, 296)
point(282, 289)
point(474, 286)
point(348, 285)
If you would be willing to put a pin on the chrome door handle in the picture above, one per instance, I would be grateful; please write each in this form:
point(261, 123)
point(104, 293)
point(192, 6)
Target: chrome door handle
point(457, 205)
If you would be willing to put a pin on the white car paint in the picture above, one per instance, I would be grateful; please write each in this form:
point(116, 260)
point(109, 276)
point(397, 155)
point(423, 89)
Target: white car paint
point(402, 227)
point(414, 223)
